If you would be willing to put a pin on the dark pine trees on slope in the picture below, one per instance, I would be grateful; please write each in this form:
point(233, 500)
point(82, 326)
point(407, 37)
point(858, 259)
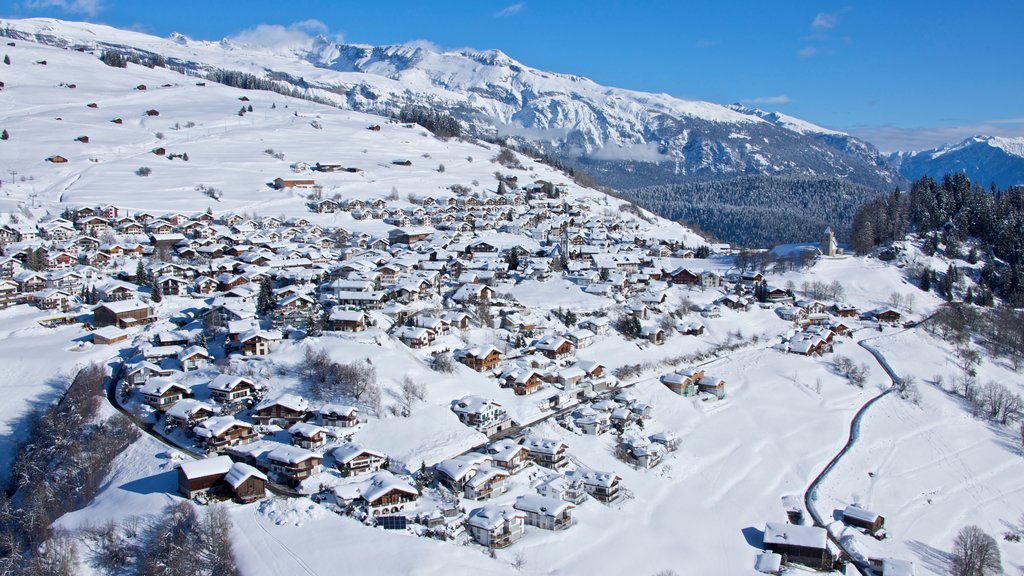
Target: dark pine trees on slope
point(952, 212)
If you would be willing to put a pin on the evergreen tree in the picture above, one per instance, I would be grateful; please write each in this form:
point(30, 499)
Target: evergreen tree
point(155, 293)
point(265, 299)
point(7, 59)
point(140, 273)
point(570, 318)
point(512, 258)
point(4, 135)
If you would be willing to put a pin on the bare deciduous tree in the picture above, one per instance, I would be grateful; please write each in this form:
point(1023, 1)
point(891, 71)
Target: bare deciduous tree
point(975, 553)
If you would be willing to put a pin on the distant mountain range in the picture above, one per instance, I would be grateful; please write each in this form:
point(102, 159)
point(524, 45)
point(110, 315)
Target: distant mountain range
point(983, 159)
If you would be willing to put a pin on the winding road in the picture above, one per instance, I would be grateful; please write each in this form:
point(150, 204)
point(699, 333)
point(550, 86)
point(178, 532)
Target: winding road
point(811, 494)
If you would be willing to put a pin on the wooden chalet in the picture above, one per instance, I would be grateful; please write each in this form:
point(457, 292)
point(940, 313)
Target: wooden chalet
point(806, 545)
point(246, 483)
point(284, 411)
point(353, 460)
point(482, 359)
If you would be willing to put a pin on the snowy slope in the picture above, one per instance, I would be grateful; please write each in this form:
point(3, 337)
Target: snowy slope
point(984, 159)
point(569, 116)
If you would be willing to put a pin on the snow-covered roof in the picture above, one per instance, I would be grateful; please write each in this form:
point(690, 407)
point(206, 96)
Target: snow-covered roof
point(347, 452)
point(206, 467)
point(291, 454)
point(543, 505)
point(794, 535)
point(858, 513)
point(289, 401)
point(240, 472)
point(493, 516)
point(227, 382)
point(218, 425)
point(158, 386)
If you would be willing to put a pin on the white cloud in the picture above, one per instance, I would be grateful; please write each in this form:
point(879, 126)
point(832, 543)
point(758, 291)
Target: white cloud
point(646, 152)
point(807, 52)
point(88, 7)
point(275, 36)
point(425, 45)
point(890, 138)
point(825, 21)
point(779, 100)
point(510, 10)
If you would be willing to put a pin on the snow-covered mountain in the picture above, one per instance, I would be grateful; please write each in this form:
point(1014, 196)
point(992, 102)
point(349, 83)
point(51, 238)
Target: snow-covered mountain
point(625, 138)
point(982, 158)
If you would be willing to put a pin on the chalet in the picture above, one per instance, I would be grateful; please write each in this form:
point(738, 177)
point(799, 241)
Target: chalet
point(545, 513)
point(108, 335)
point(122, 313)
point(487, 416)
point(683, 381)
point(281, 183)
point(508, 455)
point(496, 526)
point(257, 342)
point(284, 411)
point(455, 472)
point(381, 494)
point(51, 299)
point(344, 320)
point(353, 460)
point(602, 486)
point(546, 452)
point(227, 388)
point(861, 518)
point(797, 544)
point(293, 464)
point(481, 358)
point(308, 436)
point(220, 432)
point(57, 159)
point(10, 294)
point(712, 385)
point(326, 206)
point(555, 348)
point(563, 488)
point(161, 393)
point(886, 315)
point(187, 413)
point(485, 482)
point(194, 358)
point(138, 373)
point(212, 474)
point(653, 334)
point(414, 337)
point(339, 416)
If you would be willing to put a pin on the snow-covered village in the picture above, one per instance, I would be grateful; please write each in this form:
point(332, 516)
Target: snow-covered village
point(252, 330)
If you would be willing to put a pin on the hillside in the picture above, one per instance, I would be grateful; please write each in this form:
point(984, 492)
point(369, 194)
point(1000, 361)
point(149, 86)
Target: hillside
point(626, 139)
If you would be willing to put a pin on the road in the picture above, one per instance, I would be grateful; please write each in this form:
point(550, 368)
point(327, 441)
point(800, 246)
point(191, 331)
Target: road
point(811, 494)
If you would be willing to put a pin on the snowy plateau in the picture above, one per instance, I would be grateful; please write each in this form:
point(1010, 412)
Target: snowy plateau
point(383, 352)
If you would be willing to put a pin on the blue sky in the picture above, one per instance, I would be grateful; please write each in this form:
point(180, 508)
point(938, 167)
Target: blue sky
point(901, 74)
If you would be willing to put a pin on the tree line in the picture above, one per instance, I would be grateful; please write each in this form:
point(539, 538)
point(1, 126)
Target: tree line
point(953, 214)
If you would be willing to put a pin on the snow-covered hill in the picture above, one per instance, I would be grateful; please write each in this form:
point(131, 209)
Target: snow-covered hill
point(981, 158)
point(627, 138)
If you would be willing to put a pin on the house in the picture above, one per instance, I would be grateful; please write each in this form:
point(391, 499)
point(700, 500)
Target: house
point(220, 432)
point(227, 388)
point(487, 416)
point(382, 494)
point(555, 348)
point(892, 567)
point(544, 512)
point(293, 464)
point(122, 313)
point(797, 544)
point(496, 526)
point(861, 518)
point(886, 315)
point(352, 460)
point(281, 183)
point(257, 342)
point(194, 358)
point(186, 413)
point(308, 436)
point(108, 335)
point(284, 411)
point(481, 358)
point(161, 393)
point(602, 486)
point(563, 488)
point(344, 320)
point(485, 482)
point(712, 385)
point(455, 472)
point(200, 476)
point(508, 455)
point(139, 373)
point(339, 415)
point(546, 452)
